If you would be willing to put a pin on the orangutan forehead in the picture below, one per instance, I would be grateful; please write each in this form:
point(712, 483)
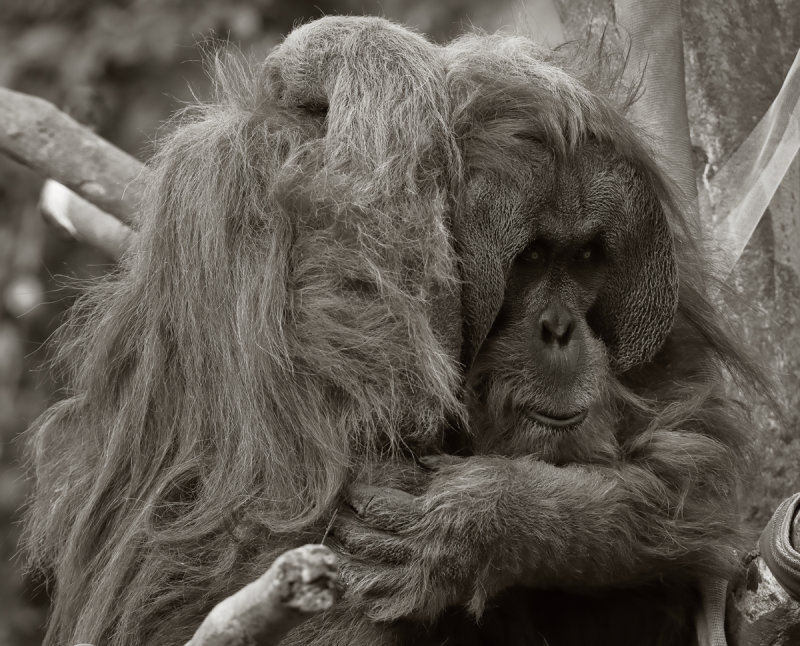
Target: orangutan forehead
point(577, 194)
point(517, 112)
point(590, 187)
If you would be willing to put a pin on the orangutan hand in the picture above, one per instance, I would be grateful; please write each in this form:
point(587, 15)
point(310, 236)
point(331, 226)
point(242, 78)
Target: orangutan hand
point(414, 556)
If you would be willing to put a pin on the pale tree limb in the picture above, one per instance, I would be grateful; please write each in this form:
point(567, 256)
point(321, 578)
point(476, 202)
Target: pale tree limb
point(300, 583)
point(83, 221)
point(37, 134)
point(656, 42)
point(741, 191)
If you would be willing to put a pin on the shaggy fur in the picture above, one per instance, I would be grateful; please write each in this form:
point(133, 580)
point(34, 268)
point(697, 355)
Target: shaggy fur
point(289, 317)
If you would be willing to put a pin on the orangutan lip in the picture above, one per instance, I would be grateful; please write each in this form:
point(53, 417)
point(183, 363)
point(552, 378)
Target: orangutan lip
point(558, 422)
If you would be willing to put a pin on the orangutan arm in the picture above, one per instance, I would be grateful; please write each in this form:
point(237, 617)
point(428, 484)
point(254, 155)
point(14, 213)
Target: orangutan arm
point(488, 523)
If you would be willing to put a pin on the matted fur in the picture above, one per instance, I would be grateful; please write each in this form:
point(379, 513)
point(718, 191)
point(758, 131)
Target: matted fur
point(287, 315)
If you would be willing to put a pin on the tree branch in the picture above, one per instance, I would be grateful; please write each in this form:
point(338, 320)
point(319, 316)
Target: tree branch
point(82, 220)
point(37, 134)
point(301, 583)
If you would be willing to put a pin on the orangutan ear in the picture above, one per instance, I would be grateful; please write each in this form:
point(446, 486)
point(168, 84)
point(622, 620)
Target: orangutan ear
point(635, 311)
point(490, 230)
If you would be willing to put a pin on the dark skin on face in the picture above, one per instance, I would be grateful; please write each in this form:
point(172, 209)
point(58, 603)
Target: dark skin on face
point(543, 334)
point(539, 373)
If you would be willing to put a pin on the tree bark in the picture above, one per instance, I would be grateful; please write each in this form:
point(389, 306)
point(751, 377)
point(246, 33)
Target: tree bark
point(35, 133)
point(301, 583)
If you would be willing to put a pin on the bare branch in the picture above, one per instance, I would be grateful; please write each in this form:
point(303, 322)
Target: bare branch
point(35, 133)
point(82, 220)
point(301, 583)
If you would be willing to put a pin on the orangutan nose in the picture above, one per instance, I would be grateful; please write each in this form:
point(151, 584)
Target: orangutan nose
point(556, 325)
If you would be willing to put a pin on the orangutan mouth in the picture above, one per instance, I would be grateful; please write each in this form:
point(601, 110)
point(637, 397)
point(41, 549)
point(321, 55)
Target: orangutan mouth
point(558, 422)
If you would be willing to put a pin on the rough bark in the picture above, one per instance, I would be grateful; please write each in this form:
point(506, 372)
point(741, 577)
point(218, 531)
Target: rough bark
point(35, 133)
point(301, 583)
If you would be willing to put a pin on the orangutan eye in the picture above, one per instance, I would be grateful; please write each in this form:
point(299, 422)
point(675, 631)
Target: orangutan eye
point(536, 252)
point(591, 252)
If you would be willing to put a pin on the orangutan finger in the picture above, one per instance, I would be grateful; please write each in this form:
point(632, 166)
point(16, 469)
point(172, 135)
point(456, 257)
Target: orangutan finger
point(439, 460)
point(369, 544)
point(388, 509)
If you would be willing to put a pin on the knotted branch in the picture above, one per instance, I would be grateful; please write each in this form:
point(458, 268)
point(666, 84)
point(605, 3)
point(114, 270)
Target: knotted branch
point(301, 583)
